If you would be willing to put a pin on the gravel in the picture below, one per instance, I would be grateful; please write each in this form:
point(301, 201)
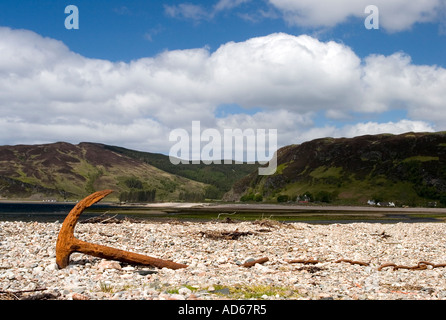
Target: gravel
point(214, 258)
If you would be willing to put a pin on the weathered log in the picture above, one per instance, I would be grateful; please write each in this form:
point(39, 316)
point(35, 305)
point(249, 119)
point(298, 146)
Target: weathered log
point(304, 261)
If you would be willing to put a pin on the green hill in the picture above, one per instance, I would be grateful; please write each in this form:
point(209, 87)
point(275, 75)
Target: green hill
point(218, 177)
point(63, 171)
point(407, 169)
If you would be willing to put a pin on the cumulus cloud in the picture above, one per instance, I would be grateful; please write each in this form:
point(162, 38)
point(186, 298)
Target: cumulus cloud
point(395, 15)
point(388, 127)
point(273, 71)
point(49, 93)
point(363, 128)
point(394, 80)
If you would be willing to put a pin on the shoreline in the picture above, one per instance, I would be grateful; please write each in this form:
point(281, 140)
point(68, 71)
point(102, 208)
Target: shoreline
point(293, 207)
point(49, 212)
point(247, 207)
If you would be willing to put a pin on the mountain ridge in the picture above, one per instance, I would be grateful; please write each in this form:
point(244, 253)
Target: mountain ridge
point(409, 169)
point(66, 171)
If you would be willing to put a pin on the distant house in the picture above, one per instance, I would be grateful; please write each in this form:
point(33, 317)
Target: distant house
point(380, 204)
point(432, 204)
point(386, 204)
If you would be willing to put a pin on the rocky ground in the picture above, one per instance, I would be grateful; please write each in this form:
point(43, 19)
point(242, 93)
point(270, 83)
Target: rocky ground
point(304, 261)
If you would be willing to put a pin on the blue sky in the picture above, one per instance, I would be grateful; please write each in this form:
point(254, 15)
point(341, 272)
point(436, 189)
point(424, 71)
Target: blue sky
point(126, 30)
point(189, 61)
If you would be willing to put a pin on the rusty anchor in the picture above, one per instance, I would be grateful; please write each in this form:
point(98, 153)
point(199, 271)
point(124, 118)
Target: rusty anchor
point(67, 243)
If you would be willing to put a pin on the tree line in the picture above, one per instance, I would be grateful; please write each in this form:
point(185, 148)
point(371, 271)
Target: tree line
point(134, 196)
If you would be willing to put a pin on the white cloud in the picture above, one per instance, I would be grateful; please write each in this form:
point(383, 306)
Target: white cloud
point(364, 128)
point(187, 11)
point(49, 93)
point(389, 127)
point(199, 12)
point(394, 80)
point(228, 4)
point(395, 15)
point(280, 70)
point(138, 135)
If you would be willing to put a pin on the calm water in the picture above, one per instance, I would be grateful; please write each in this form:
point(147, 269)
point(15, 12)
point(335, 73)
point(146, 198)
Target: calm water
point(51, 212)
point(44, 212)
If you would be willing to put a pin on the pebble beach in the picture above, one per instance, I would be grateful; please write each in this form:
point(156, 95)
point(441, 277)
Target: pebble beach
point(297, 261)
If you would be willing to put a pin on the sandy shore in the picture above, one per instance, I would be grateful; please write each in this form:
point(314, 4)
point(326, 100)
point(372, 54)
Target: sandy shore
point(337, 261)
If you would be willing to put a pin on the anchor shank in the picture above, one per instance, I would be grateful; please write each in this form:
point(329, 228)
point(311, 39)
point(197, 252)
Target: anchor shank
point(105, 252)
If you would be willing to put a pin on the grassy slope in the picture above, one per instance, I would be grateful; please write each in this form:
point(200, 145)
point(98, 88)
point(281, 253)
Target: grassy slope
point(66, 171)
point(409, 169)
point(220, 176)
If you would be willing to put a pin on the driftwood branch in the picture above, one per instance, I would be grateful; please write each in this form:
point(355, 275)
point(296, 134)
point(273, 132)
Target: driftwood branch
point(352, 262)
point(304, 261)
point(422, 265)
point(21, 291)
point(252, 263)
point(16, 294)
point(100, 219)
